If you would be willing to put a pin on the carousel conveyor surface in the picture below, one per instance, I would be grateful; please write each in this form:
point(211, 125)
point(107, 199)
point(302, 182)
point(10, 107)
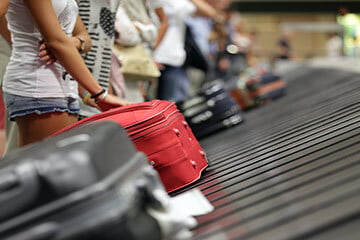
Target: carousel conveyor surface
point(292, 169)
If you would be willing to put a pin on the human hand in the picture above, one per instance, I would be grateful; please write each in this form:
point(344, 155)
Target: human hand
point(90, 102)
point(111, 101)
point(45, 55)
point(160, 66)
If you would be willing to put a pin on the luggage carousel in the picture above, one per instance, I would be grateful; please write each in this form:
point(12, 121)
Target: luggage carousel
point(292, 169)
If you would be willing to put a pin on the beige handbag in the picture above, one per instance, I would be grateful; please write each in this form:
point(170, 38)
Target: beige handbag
point(136, 63)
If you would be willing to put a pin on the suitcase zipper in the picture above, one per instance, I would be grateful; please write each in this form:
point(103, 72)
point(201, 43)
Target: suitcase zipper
point(149, 121)
point(139, 125)
point(149, 126)
point(121, 110)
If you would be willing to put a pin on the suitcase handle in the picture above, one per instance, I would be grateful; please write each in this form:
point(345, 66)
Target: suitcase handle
point(135, 106)
point(123, 109)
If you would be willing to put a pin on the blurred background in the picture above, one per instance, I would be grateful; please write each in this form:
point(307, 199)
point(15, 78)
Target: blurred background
point(309, 24)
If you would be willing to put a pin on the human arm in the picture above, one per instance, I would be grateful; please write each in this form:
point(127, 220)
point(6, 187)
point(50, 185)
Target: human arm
point(86, 99)
point(204, 9)
point(79, 35)
point(80, 38)
point(126, 32)
point(164, 24)
point(4, 31)
point(3, 7)
point(63, 48)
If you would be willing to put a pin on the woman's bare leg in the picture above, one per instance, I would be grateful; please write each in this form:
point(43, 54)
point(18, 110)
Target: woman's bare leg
point(35, 127)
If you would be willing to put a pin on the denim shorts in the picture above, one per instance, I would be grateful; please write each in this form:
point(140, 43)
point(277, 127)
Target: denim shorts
point(20, 106)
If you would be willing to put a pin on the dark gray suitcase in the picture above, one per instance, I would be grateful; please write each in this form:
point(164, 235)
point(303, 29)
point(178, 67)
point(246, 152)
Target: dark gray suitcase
point(87, 183)
point(211, 109)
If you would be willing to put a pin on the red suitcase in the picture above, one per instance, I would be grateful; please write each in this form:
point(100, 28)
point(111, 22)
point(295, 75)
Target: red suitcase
point(158, 129)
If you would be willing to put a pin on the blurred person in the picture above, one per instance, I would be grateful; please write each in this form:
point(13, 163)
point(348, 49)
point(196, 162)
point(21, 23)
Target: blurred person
point(241, 36)
point(98, 17)
point(232, 44)
point(126, 34)
point(137, 22)
point(241, 39)
point(173, 84)
point(149, 18)
point(334, 46)
point(220, 39)
point(40, 96)
point(160, 20)
point(202, 28)
point(254, 49)
point(355, 46)
point(284, 48)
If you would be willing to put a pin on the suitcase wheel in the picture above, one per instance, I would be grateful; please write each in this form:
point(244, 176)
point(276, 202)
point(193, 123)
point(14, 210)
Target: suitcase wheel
point(177, 132)
point(193, 163)
point(202, 153)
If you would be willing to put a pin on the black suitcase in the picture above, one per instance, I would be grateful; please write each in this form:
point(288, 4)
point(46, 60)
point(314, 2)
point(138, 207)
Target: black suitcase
point(85, 184)
point(211, 109)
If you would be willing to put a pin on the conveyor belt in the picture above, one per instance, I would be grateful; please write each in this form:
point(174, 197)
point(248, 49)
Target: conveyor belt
point(292, 169)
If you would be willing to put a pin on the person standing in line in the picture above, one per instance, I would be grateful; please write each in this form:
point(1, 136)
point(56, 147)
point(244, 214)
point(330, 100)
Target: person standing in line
point(202, 29)
point(39, 94)
point(98, 17)
point(137, 22)
point(284, 46)
point(160, 19)
point(173, 84)
point(334, 46)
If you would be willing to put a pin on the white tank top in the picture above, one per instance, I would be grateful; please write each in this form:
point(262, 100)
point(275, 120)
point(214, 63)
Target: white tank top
point(25, 74)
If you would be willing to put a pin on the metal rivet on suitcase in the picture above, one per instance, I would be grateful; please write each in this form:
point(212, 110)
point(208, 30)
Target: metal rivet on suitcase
point(177, 132)
point(202, 153)
point(185, 124)
point(152, 162)
point(193, 163)
point(190, 138)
